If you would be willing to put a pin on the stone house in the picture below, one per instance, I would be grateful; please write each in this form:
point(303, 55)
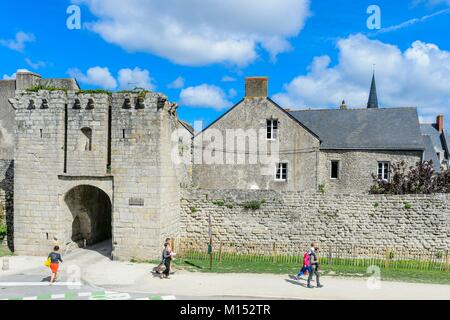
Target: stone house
point(336, 150)
point(437, 143)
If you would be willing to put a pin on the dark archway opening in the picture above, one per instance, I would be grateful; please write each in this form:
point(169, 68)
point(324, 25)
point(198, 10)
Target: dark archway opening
point(91, 212)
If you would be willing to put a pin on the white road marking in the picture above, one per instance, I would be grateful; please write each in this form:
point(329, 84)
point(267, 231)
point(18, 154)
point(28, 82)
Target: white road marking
point(85, 294)
point(38, 284)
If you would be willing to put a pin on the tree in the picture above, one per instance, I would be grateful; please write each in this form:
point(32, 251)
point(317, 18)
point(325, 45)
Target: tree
point(421, 179)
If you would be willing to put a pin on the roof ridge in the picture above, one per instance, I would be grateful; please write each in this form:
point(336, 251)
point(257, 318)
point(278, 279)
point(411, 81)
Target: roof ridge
point(351, 109)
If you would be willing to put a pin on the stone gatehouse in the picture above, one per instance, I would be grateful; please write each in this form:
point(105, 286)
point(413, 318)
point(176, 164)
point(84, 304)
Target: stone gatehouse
point(94, 166)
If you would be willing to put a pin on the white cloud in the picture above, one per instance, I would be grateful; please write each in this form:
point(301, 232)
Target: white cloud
point(418, 76)
point(19, 42)
point(178, 83)
point(414, 21)
point(232, 93)
point(35, 65)
point(204, 96)
point(127, 79)
point(96, 76)
point(13, 76)
point(198, 32)
point(227, 79)
point(135, 78)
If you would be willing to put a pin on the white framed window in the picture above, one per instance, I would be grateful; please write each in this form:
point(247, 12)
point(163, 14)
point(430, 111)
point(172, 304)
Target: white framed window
point(281, 171)
point(334, 174)
point(383, 170)
point(272, 129)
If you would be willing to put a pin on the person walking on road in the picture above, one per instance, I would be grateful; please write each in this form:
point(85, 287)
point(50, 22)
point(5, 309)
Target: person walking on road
point(167, 255)
point(55, 259)
point(306, 268)
point(314, 267)
point(158, 268)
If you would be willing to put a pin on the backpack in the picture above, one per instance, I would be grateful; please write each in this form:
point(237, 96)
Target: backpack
point(306, 261)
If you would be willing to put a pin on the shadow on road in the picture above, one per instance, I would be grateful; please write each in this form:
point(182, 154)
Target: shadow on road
point(104, 248)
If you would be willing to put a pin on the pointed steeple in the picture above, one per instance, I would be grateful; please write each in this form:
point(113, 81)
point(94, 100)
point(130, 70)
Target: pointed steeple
point(373, 98)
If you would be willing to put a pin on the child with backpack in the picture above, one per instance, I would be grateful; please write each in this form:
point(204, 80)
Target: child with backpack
point(306, 265)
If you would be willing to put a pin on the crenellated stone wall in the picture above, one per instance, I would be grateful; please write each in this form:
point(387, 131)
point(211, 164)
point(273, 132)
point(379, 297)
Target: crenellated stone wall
point(410, 221)
point(73, 149)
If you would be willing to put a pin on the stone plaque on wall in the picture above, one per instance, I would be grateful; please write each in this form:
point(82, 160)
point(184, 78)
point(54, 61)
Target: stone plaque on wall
point(136, 202)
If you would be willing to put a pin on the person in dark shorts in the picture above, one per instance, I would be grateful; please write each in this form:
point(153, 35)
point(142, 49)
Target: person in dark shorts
point(55, 259)
point(314, 267)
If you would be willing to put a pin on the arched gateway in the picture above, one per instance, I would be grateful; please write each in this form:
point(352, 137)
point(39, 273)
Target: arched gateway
point(91, 210)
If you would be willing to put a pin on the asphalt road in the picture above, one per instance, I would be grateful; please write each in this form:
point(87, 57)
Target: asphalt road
point(36, 287)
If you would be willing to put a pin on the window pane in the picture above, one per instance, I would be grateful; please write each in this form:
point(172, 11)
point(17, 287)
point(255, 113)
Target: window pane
point(334, 170)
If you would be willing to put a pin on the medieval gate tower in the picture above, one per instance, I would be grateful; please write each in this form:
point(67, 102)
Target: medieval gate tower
point(94, 166)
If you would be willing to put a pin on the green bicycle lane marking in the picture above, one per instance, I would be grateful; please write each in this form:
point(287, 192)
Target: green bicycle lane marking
point(99, 295)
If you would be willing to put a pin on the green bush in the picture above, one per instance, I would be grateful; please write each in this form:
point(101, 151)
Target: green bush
point(193, 209)
point(95, 91)
point(322, 188)
point(219, 202)
point(3, 231)
point(254, 204)
point(408, 205)
point(37, 88)
point(230, 205)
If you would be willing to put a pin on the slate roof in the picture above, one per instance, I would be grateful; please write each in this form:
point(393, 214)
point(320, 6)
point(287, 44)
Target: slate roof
point(429, 129)
point(364, 129)
point(187, 126)
point(430, 153)
point(437, 142)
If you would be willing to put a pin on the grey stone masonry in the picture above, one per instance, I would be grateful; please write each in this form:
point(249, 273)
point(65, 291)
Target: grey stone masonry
point(410, 221)
point(119, 144)
point(235, 166)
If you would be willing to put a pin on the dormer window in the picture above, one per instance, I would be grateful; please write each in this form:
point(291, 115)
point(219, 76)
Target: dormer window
point(272, 129)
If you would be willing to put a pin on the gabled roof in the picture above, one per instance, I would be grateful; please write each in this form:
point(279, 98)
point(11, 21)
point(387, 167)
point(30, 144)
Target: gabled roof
point(364, 129)
point(187, 126)
point(430, 129)
point(430, 153)
point(277, 106)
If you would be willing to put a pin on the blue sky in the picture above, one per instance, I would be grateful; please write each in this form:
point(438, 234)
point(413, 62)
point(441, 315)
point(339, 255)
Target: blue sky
point(315, 53)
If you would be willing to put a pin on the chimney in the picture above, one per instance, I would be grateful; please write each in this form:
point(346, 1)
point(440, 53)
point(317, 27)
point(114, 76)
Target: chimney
point(26, 80)
point(440, 123)
point(256, 87)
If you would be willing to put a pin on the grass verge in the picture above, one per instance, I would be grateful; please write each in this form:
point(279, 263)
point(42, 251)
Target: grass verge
point(403, 275)
point(4, 251)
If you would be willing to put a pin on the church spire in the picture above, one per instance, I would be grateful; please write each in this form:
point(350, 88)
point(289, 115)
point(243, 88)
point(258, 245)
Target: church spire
point(373, 98)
